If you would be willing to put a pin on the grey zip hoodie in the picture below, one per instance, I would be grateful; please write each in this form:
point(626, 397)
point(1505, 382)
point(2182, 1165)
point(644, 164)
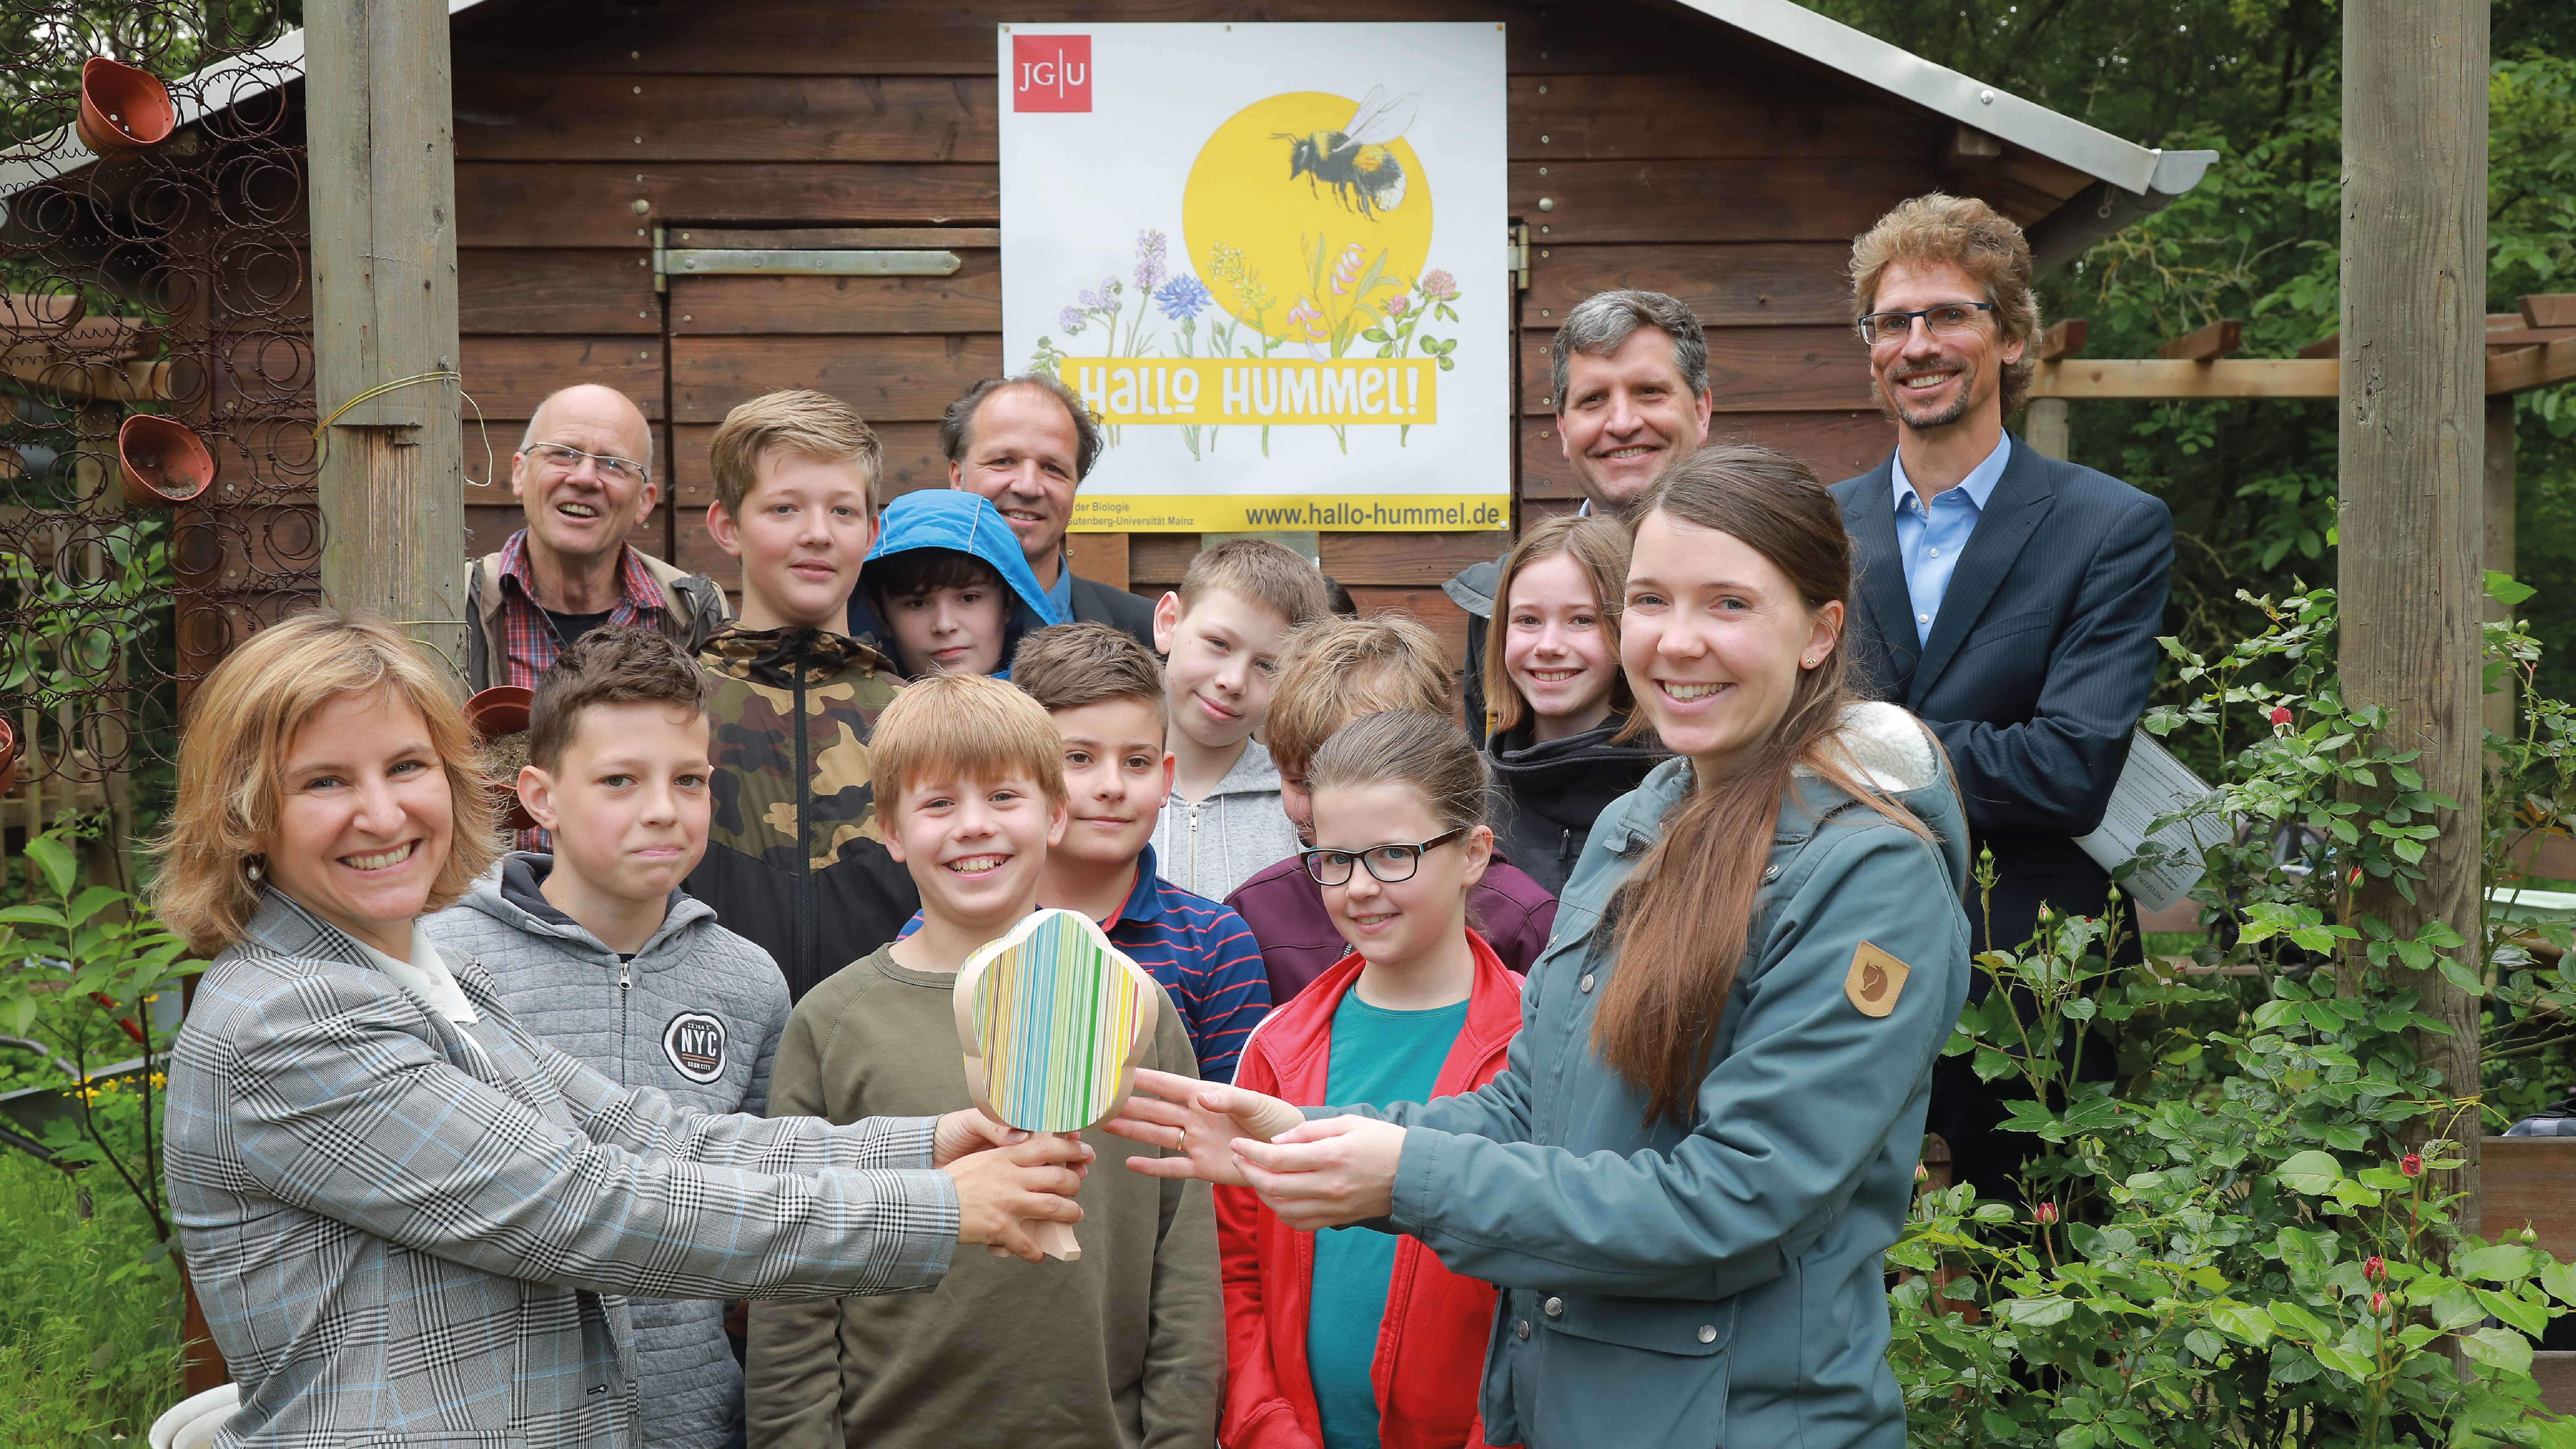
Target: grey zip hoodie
point(1211, 846)
point(697, 1013)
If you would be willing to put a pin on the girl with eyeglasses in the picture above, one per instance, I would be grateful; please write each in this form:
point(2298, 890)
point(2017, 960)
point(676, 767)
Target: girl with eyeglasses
point(1353, 1340)
point(1686, 1178)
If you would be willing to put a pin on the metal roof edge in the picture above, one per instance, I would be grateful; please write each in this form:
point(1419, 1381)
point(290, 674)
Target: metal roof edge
point(1946, 92)
point(196, 96)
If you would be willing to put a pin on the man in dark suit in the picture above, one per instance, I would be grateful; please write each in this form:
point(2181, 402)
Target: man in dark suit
point(1026, 443)
point(1629, 376)
point(2010, 600)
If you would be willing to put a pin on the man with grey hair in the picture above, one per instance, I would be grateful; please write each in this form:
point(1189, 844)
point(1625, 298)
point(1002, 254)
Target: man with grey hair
point(583, 476)
point(1629, 379)
point(1026, 442)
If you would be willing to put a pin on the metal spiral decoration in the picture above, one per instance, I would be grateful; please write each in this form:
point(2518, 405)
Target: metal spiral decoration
point(164, 280)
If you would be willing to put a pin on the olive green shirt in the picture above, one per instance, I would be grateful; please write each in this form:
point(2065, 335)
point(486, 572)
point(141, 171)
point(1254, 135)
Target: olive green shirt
point(1121, 1348)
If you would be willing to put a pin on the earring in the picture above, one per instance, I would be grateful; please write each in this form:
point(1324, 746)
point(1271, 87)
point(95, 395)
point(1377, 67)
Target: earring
point(251, 867)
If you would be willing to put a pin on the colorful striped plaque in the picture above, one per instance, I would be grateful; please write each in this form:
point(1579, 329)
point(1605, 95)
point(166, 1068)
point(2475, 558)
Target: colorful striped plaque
point(1053, 1020)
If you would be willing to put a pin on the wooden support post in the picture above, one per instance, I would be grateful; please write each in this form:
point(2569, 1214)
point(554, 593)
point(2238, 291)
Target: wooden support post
point(381, 151)
point(2498, 527)
point(2412, 426)
point(2044, 426)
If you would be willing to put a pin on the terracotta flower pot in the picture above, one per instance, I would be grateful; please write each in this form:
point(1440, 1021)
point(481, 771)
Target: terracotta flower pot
point(494, 714)
point(162, 462)
point(8, 756)
point(122, 109)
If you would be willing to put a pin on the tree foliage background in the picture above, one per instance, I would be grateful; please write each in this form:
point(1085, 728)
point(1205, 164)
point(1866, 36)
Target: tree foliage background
point(2252, 483)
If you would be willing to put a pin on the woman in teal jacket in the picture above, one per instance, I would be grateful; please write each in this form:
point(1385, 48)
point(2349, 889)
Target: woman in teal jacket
point(1706, 1136)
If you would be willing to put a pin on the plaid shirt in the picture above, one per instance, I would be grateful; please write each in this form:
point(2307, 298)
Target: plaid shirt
point(402, 1226)
point(530, 636)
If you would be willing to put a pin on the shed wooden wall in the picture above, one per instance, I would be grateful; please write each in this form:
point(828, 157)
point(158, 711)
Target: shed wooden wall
point(1677, 156)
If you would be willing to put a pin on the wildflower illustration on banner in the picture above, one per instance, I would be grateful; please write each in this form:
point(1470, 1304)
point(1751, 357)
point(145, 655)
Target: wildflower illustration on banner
point(1258, 274)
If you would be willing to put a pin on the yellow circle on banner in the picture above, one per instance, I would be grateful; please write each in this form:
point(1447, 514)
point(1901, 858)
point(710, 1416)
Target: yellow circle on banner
point(1305, 258)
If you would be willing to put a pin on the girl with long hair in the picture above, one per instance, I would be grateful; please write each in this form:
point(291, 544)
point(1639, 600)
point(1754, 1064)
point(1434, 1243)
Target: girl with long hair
point(1705, 1139)
point(1561, 744)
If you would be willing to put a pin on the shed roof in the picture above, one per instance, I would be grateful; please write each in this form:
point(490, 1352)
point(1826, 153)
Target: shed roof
point(2098, 182)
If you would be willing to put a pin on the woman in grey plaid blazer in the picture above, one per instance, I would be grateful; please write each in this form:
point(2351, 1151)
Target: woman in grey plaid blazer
point(410, 1221)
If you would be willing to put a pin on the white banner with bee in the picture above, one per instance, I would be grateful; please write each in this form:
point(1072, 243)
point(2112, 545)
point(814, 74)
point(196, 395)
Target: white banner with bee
point(1270, 258)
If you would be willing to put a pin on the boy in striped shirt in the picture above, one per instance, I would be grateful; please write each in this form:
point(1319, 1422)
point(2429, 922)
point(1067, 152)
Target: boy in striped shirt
point(1105, 693)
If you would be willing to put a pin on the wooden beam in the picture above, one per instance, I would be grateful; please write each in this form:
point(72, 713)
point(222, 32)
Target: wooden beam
point(2207, 344)
point(2411, 445)
point(2532, 367)
point(2098, 379)
point(381, 152)
point(2062, 340)
point(2329, 347)
point(2550, 309)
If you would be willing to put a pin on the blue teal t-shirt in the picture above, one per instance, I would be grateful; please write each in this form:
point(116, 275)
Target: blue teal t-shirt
point(1378, 1058)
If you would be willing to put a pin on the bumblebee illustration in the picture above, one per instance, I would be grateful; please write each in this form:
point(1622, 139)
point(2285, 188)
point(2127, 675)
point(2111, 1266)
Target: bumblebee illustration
point(1354, 160)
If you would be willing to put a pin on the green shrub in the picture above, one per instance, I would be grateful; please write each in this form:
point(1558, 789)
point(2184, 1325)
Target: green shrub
point(2235, 1236)
point(89, 1324)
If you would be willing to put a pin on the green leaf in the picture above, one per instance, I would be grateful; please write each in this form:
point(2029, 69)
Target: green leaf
point(2497, 1263)
point(2297, 1320)
point(2499, 1348)
point(2515, 1310)
point(2344, 1361)
point(2456, 1308)
point(2312, 1172)
point(56, 860)
point(2456, 971)
point(33, 916)
point(2505, 589)
point(2560, 1280)
point(2036, 1312)
point(2204, 1345)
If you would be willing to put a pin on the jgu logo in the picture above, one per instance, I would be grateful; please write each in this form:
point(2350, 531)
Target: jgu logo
point(1051, 72)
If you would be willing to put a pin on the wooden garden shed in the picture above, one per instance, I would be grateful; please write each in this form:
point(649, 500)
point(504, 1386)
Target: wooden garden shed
point(1725, 151)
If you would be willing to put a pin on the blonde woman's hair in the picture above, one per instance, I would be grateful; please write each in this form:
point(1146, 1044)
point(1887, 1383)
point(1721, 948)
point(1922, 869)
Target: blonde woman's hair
point(963, 726)
point(232, 756)
point(1598, 546)
point(1335, 670)
point(801, 421)
point(1977, 239)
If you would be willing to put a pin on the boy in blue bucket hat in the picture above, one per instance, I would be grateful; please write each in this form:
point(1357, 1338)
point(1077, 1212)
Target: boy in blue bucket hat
point(947, 588)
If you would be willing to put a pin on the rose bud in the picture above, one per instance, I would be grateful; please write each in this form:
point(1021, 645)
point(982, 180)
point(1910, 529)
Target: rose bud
point(2280, 714)
point(2411, 1165)
point(2045, 1214)
point(2374, 1268)
point(2379, 1303)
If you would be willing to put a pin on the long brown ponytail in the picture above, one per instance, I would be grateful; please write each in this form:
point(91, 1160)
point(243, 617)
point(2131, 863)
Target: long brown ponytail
point(1682, 918)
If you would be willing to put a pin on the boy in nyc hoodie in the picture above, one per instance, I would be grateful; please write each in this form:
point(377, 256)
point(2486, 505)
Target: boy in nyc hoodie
point(597, 950)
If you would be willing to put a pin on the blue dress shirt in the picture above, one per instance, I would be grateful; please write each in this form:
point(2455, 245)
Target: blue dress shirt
point(1930, 544)
point(1060, 593)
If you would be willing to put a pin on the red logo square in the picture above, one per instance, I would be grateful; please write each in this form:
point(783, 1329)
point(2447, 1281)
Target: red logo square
point(1051, 72)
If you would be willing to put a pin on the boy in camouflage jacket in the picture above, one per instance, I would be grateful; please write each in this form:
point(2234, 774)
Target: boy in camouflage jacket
point(795, 860)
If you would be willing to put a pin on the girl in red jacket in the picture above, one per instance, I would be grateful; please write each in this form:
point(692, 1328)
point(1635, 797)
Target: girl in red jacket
point(1349, 1338)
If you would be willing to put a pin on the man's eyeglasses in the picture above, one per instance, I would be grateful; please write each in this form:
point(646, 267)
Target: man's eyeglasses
point(566, 459)
point(1947, 320)
point(1392, 864)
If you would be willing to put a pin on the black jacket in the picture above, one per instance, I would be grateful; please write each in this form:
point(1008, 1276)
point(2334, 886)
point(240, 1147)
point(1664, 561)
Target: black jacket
point(1097, 603)
point(1552, 793)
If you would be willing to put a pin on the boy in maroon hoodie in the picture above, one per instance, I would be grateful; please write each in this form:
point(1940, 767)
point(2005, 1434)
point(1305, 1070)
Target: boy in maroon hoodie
point(1333, 672)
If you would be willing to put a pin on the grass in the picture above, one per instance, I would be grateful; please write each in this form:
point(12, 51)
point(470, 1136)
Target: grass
point(89, 1331)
